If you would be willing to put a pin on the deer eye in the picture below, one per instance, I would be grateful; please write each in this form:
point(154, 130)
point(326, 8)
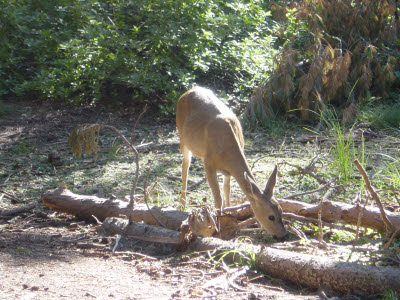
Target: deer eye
point(271, 218)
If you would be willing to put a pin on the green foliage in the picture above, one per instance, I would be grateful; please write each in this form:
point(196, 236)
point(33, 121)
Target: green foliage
point(392, 171)
point(342, 145)
point(89, 51)
point(30, 35)
point(240, 257)
point(341, 236)
point(383, 115)
point(113, 149)
point(390, 295)
point(22, 148)
point(343, 148)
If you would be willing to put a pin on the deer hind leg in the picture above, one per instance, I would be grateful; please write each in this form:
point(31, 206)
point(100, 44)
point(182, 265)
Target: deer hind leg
point(187, 155)
point(227, 190)
point(211, 175)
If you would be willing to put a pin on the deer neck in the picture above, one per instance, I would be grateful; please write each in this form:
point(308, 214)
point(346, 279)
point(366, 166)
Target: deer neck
point(252, 191)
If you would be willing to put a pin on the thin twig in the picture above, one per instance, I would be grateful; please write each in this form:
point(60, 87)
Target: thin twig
point(360, 214)
point(295, 217)
point(196, 184)
point(89, 127)
point(375, 196)
point(236, 208)
point(97, 220)
point(137, 254)
point(246, 223)
point(311, 192)
point(308, 172)
point(320, 233)
point(131, 196)
point(387, 245)
point(10, 196)
point(17, 210)
point(300, 234)
point(137, 121)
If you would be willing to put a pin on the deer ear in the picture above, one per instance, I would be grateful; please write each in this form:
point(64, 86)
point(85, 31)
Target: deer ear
point(248, 180)
point(269, 188)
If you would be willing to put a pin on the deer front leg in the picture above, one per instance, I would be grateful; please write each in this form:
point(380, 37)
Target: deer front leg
point(187, 155)
point(227, 190)
point(211, 175)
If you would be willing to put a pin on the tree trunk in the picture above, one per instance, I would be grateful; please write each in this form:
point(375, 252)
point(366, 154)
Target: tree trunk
point(306, 270)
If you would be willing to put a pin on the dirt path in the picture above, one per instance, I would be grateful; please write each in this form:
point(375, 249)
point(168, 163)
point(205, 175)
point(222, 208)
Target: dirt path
point(77, 278)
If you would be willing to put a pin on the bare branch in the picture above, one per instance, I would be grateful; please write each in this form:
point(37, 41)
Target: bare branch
point(308, 172)
point(375, 196)
point(290, 216)
point(310, 192)
point(137, 121)
point(196, 184)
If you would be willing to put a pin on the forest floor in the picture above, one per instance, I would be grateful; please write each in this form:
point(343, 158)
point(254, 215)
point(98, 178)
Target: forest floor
point(47, 255)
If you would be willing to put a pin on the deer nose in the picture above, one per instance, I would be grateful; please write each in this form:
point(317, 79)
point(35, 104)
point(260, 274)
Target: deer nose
point(282, 238)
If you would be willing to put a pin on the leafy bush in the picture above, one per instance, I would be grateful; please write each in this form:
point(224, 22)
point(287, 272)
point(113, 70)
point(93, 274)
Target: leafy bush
point(89, 51)
point(30, 35)
point(333, 52)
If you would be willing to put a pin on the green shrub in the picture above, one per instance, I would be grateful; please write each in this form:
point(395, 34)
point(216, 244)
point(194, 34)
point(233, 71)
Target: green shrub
point(90, 51)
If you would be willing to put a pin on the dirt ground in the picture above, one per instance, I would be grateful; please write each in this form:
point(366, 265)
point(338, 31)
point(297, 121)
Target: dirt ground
point(46, 255)
point(48, 263)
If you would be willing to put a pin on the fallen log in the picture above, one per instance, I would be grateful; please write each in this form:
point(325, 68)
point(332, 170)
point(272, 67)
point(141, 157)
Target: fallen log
point(63, 200)
point(341, 212)
point(306, 270)
point(334, 212)
point(140, 231)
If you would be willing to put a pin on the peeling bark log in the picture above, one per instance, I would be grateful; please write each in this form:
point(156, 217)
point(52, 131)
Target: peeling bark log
point(331, 212)
point(306, 270)
point(341, 212)
point(63, 200)
point(313, 271)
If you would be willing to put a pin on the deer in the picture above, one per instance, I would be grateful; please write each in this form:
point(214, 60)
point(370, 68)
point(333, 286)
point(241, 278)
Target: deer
point(208, 129)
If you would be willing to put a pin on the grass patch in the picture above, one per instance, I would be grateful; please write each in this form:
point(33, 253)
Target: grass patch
point(382, 115)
